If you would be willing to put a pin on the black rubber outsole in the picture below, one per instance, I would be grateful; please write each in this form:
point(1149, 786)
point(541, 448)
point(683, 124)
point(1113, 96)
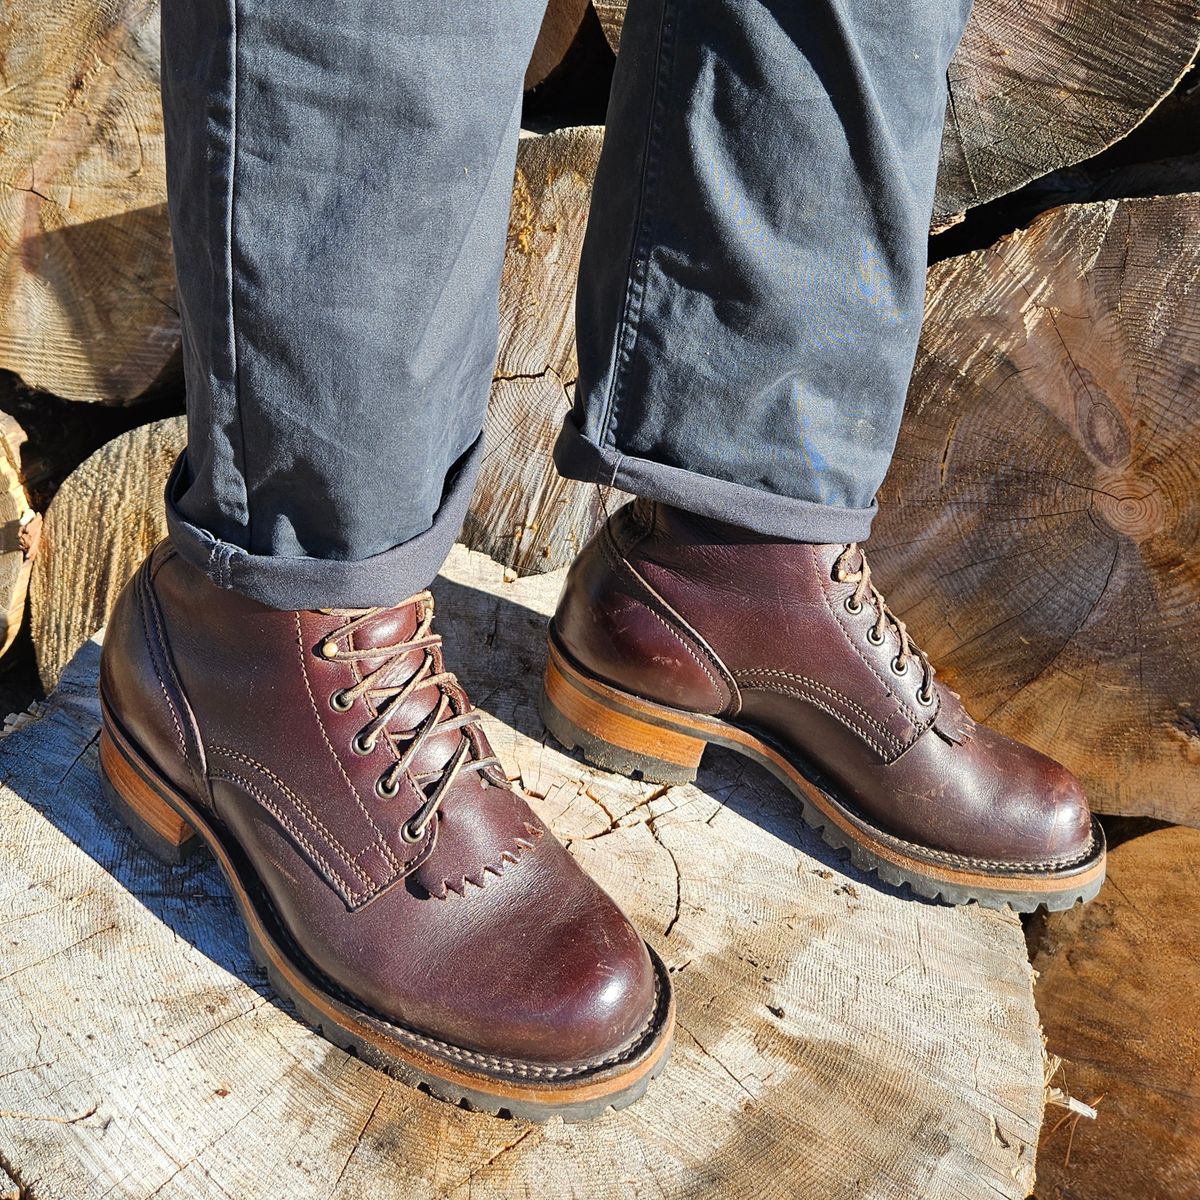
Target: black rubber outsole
point(610, 757)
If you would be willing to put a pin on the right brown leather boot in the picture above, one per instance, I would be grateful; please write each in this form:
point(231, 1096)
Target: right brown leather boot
point(674, 632)
point(394, 885)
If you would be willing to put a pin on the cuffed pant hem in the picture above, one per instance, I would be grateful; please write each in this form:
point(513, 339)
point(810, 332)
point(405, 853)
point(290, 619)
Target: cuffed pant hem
point(765, 513)
point(309, 583)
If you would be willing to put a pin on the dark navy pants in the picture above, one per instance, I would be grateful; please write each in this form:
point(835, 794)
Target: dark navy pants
point(749, 298)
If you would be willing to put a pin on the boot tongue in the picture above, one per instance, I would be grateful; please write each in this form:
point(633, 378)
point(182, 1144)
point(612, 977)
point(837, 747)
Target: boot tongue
point(389, 627)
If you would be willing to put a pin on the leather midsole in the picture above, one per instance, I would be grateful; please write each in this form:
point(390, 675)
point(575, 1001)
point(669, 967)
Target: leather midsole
point(959, 870)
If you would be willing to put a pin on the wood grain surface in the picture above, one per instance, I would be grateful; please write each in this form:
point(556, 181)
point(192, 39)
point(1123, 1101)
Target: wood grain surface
point(836, 1039)
point(1117, 991)
point(1040, 525)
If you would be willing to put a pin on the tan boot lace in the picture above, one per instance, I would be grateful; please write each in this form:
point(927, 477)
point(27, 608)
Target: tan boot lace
point(387, 695)
point(867, 591)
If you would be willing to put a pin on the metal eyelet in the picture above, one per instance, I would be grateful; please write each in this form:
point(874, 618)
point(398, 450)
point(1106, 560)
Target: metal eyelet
point(874, 637)
point(383, 791)
point(852, 606)
point(327, 650)
point(409, 834)
point(361, 745)
point(897, 669)
point(924, 698)
point(340, 702)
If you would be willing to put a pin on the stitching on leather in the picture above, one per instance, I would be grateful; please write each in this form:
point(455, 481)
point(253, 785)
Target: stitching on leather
point(388, 854)
point(909, 713)
point(290, 826)
point(651, 606)
point(489, 1060)
point(779, 687)
point(305, 810)
point(862, 712)
point(997, 864)
point(157, 673)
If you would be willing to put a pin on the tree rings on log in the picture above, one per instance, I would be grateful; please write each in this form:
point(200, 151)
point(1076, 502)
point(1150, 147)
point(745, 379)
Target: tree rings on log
point(101, 524)
point(836, 1038)
point(87, 286)
point(1040, 525)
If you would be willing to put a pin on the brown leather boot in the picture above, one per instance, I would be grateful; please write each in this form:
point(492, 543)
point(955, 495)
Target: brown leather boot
point(394, 886)
point(674, 632)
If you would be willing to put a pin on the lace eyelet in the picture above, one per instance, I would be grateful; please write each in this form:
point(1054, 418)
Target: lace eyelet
point(924, 698)
point(874, 637)
point(896, 667)
point(361, 745)
point(383, 791)
point(410, 835)
point(327, 650)
point(852, 606)
point(340, 702)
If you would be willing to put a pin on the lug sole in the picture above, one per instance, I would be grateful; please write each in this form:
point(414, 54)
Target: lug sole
point(172, 828)
point(624, 733)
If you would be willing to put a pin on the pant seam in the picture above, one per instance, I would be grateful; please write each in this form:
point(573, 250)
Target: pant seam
point(631, 315)
point(235, 381)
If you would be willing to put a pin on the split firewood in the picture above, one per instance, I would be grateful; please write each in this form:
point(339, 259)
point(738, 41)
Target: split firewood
point(1116, 990)
point(1039, 526)
point(87, 289)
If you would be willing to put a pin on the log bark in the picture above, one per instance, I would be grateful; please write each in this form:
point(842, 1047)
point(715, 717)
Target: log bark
point(523, 513)
point(1035, 87)
point(836, 1038)
point(20, 532)
point(1039, 526)
point(1117, 991)
point(87, 299)
point(104, 520)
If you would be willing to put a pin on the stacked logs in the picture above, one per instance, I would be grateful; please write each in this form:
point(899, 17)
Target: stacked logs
point(1039, 530)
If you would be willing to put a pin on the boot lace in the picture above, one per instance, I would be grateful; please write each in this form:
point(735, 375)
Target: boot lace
point(866, 592)
point(382, 689)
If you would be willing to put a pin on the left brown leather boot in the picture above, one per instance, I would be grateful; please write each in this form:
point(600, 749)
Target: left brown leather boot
point(393, 884)
point(674, 632)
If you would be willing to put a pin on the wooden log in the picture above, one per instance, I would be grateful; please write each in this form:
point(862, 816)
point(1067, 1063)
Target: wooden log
point(560, 27)
point(20, 532)
point(836, 1038)
point(87, 294)
point(1117, 991)
point(612, 18)
point(523, 513)
point(1035, 87)
point(1039, 526)
point(98, 528)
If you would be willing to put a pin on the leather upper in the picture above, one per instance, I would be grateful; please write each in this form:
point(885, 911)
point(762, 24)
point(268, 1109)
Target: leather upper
point(483, 932)
point(764, 633)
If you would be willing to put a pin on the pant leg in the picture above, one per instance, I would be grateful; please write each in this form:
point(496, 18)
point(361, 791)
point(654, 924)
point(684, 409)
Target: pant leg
point(752, 280)
point(339, 179)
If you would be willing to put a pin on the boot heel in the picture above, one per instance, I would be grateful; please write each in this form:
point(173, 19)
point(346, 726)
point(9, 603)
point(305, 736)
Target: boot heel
point(614, 738)
point(155, 824)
